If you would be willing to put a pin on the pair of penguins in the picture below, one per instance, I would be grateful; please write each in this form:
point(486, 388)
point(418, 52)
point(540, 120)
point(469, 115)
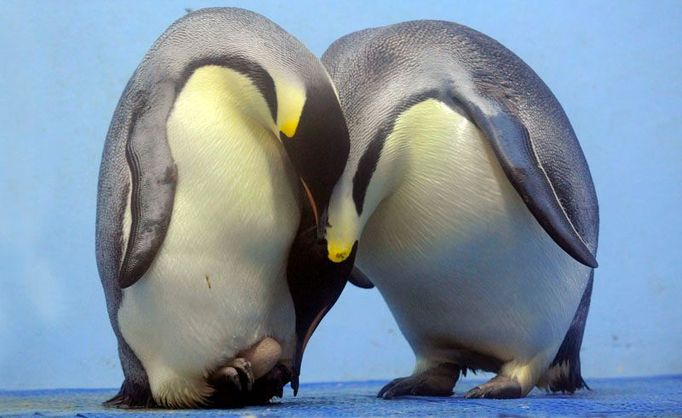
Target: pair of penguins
point(244, 182)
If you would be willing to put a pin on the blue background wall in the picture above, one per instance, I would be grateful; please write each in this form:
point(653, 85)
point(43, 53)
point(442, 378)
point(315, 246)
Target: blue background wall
point(615, 66)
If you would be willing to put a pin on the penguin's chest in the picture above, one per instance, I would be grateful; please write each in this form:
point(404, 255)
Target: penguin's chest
point(218, 284)
point(455, 252)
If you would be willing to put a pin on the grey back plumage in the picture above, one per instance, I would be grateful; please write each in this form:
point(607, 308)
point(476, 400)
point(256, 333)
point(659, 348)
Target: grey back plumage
point(380, 72)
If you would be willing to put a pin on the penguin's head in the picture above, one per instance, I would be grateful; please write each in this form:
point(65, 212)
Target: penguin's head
point(363, 184)
point(316, 141)
point(376, 158)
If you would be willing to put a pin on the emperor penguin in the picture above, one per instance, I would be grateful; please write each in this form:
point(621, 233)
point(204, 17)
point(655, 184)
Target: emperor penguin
point(473, 204)
point(225, 145)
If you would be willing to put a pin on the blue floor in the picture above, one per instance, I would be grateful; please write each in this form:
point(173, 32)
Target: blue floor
point(652, 396)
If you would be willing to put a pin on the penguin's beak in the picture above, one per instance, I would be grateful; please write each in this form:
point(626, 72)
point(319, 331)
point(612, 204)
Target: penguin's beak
point(340, 243)
point(339, 251)
point(342, 227)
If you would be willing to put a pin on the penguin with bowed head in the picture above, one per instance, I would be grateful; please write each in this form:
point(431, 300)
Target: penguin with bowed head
point(473, 204)
point(224, 147)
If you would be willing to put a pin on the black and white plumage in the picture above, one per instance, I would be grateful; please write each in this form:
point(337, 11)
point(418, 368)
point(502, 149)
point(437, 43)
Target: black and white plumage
point(474, 208)
point(226, 141)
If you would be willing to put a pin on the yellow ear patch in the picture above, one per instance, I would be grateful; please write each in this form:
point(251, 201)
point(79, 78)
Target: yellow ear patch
point(290, 100)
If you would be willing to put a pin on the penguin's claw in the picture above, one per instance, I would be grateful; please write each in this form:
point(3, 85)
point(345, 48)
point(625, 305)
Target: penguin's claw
point(244, 372)
point(232, 379)
point(499, 387)
point(437, 381)
point(231, 375)
point(388, 389)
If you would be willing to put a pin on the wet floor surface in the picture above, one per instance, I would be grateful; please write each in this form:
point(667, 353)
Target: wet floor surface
point(651, 396)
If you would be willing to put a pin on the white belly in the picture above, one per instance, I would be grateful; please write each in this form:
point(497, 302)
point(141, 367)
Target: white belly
point(218, 283)
point(457, 255)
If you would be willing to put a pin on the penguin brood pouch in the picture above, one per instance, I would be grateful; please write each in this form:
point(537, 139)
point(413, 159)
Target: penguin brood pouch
point(222, 151)
point(471, 205)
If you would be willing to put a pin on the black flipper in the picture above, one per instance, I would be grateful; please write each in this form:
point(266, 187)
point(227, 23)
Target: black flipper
point(314, 281)
point(154, 177)
point(514, 149)
point(569, 352)
point(359, 279)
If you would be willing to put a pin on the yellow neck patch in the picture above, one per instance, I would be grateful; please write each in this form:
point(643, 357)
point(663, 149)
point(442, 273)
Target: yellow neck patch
point(290, 100)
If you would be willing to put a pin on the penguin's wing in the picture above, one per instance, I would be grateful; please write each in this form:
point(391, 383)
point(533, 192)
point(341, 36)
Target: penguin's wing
point(153, 177)
point(517, 155)
point(359, 279)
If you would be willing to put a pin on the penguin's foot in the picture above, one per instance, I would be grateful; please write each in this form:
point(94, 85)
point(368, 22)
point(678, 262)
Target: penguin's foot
point(436, 381)
point(231, 382)
point(270, 385)
point(499, 387)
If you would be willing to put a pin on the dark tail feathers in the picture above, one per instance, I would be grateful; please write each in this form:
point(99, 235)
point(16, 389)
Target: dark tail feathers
point(132, 396)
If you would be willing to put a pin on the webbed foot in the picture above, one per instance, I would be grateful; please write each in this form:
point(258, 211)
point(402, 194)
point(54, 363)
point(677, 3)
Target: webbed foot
point(499, 387)
point(437, 381)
